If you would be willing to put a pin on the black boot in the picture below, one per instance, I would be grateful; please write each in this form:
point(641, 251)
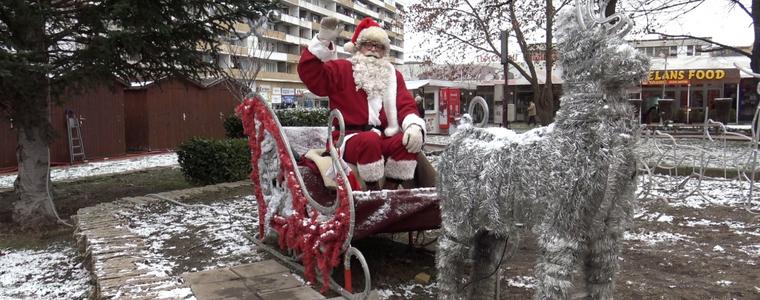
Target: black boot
point(391, 184)
point(372, 185)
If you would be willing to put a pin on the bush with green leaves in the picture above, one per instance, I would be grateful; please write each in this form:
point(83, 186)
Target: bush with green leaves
point(208, 161)
point(303, 116)
point(233, 127)
point(288, 117)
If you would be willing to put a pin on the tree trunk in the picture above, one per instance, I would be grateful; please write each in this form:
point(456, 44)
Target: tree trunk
point(34, 207)
point(546, 116)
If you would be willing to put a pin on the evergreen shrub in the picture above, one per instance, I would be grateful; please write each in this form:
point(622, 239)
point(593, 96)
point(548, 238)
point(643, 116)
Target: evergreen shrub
point(306, 117)
point(208, 161)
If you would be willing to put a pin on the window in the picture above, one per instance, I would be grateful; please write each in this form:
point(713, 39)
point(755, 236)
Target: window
point(429, 102)
point(270, 67)
point(690, 50)
point(673, 51)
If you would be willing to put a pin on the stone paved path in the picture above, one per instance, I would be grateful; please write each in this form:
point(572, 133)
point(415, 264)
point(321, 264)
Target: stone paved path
point(265, 280)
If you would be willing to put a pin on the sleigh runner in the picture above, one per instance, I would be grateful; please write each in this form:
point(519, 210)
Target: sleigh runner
point(313, 221)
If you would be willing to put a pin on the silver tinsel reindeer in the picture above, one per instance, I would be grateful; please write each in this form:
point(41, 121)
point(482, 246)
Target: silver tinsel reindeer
point(572, 183)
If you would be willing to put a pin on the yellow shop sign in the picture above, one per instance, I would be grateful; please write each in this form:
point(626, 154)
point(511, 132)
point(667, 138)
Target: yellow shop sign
point(687, 76)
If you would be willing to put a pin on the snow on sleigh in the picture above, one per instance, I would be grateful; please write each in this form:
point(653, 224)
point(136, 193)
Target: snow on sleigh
point(317, 222)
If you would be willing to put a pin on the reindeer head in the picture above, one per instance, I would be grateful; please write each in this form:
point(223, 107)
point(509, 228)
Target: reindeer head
point(592, 49)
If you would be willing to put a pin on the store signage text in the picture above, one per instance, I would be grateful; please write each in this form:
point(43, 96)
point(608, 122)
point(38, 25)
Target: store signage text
point(679, 75)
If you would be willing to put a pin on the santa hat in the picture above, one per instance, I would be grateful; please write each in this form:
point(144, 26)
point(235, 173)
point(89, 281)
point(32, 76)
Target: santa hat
point(368, 30)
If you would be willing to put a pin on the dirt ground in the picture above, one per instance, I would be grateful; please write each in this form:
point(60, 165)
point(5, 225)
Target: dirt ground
point(71, 196)
point(683, 269)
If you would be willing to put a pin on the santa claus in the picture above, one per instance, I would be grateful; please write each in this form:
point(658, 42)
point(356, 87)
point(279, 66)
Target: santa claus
point(384, 132)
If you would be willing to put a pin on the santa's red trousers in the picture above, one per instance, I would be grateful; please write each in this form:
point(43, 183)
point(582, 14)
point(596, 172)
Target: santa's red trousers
point(378, 156)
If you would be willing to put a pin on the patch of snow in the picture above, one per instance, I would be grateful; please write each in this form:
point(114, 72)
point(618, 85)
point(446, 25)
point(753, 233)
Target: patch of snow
point(525, 282)
point(52, 273)
point(724, 283)
point(102, 168)
point(221, 227)
point(718, 248)
point(408, 291)
point(751, 250)
point(179, 293)
point(653, 238)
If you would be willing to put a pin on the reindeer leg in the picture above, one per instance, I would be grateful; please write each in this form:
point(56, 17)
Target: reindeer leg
point(452, 258)
point(485, 276)
point(601, 262)
point(558, 251)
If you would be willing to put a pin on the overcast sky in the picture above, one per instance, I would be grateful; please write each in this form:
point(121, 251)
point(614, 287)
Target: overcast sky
point(711, 19)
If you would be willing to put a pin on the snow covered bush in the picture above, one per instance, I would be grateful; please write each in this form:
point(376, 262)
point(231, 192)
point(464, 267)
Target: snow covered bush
point(205, 161)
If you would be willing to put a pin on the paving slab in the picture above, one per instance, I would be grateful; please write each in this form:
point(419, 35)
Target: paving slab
point(298, 293)
point(233, 289)
point(272, 282)
point(260, 268)
point(261, 280)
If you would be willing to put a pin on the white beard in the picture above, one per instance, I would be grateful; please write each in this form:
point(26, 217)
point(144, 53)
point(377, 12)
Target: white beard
point(371, 74)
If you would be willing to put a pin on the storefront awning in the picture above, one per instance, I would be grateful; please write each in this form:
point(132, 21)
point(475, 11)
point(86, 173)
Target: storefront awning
point(416, 84)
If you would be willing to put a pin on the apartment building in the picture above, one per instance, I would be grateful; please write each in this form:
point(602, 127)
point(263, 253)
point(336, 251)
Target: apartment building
point(282, 42)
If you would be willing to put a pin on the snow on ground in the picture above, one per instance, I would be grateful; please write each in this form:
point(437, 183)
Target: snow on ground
point(177, 234)
point(103, 167)
point(217, 230)
point(52, 273)
point(408, 291)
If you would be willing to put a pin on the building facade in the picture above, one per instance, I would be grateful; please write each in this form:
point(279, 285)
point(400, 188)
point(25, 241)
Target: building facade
point(278, 52)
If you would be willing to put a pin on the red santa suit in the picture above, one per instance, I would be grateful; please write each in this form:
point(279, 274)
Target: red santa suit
point(375, 123)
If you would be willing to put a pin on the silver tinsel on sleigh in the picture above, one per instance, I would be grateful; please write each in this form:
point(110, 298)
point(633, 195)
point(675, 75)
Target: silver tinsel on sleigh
point(572, 183)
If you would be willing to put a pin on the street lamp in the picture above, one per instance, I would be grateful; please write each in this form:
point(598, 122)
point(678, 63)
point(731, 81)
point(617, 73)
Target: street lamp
point(664, 56)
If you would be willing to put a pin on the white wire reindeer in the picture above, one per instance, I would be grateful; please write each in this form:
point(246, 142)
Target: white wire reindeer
point(572, 183)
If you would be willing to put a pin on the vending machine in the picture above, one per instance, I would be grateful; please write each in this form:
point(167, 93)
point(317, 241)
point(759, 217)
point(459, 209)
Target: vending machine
point(448, 107)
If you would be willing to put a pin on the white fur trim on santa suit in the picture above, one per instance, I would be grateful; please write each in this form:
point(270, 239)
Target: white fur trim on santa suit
point(321, 49)
point(374, 34)
point(400, 169)
point(371, 171)
point(389, 103)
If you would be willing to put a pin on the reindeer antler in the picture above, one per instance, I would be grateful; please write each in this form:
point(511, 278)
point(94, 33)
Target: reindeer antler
point(616, 24)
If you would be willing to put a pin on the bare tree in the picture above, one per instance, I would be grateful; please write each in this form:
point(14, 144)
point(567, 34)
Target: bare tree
point(654, 13)
point(247, 62)
point(462, 27)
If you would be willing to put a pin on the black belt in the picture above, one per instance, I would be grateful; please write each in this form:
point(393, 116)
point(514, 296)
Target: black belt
point(363, 128)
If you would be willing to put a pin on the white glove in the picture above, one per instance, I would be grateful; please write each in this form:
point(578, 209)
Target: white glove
point(413, 138)
point(329, 29)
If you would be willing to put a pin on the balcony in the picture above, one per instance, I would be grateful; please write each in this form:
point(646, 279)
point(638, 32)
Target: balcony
point(346, 3)
point(295, 21)
point(318, 9)
point(276, 76)
point(272, 34)
point(365, 10)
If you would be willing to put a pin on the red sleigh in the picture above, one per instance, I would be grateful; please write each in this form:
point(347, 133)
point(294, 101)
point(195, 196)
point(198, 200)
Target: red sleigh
point(317, 223)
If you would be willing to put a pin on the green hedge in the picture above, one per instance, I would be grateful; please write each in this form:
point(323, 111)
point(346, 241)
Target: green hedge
point(205, 161)
point(303, 116)
point(288, 117)
point(233, 127)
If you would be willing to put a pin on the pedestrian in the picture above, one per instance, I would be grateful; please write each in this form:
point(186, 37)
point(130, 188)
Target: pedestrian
point(531, 113)
point(420, 105)
point(384, 132)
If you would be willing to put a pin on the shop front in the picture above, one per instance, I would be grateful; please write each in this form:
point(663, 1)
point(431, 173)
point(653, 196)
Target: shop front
point(688, 91)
